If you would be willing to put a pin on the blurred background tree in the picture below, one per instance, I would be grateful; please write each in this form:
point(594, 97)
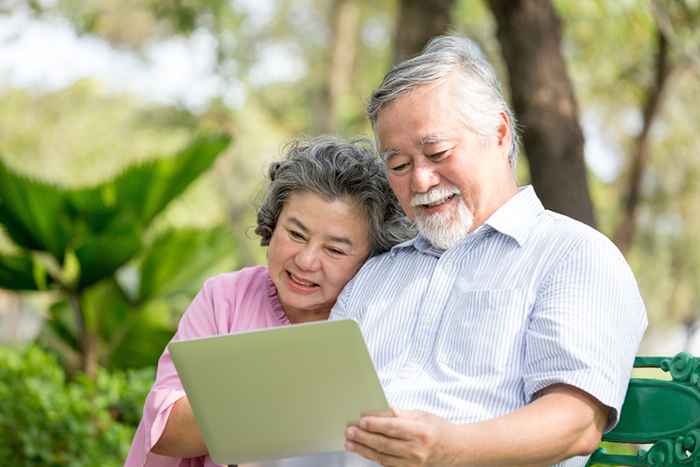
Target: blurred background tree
point(604, 92)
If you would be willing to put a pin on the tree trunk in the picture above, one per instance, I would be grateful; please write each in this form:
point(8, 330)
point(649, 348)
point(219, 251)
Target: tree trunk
point(418, 22)
point(86, 339)
point(529, 32)
point(344, 18)
point(624, 234)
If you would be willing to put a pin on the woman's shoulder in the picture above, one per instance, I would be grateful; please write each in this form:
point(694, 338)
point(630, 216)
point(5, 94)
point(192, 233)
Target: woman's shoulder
point(236, 281)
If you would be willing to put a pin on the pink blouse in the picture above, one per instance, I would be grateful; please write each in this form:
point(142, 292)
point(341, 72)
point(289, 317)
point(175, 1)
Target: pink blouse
point(227, 303)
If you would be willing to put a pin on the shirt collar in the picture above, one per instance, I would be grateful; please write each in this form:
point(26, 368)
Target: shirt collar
point(420, 243)
point(518, 215)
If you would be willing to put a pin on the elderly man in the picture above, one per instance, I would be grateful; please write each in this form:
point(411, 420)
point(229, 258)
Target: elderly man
point(504, 334)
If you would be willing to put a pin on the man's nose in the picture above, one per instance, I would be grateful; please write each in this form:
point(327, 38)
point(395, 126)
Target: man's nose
point(423, 178)
point(307, 258)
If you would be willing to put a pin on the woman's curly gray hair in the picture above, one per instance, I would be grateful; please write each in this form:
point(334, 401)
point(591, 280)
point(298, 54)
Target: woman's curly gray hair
point(335, 169)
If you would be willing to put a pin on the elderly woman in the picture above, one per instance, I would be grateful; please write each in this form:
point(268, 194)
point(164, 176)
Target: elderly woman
point(328, 207)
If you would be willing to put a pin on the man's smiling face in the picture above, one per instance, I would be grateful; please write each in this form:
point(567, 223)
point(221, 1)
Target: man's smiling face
point(448, 178)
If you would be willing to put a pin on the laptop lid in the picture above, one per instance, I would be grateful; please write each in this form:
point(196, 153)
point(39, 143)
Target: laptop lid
point(278, 392)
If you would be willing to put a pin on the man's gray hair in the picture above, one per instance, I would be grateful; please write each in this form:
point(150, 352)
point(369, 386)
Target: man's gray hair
point(477, 91)
point(336, 170)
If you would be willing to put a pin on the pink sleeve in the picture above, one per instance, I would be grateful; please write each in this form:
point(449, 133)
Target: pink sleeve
point(198, 321)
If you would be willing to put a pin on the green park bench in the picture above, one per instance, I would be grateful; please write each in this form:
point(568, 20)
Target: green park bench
point(664, 414)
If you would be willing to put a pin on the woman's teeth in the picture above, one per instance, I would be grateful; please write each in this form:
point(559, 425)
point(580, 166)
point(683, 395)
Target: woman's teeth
point(301, 281)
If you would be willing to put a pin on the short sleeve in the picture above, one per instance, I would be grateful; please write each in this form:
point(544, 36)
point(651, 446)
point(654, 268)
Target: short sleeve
point(586, 325)
point(197, 321)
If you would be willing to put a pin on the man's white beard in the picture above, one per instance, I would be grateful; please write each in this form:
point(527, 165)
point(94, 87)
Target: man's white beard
point(445, 229)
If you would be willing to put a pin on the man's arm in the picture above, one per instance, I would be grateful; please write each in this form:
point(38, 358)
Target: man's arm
point(561, 422)
point(181, 437)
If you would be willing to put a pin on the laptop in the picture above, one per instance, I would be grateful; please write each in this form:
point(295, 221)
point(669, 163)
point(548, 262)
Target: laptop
point(278, 392)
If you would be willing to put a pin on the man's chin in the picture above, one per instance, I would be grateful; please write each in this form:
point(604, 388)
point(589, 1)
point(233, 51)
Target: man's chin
point(442, 233)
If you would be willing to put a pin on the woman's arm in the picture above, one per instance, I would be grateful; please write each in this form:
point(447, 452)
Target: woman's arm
point(181, 437)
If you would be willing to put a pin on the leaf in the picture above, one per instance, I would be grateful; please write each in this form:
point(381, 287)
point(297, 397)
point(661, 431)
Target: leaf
point(22, 272)
point(143, 191)
point(62, 324)
point(179, 260)
point(148, 332)
point(104, 224)
point(100, 256)
point(32, 212)
point(70, 272)
point(106, 305)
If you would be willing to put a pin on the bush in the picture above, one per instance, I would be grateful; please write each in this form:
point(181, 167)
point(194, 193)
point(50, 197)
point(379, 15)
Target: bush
point(46, 420)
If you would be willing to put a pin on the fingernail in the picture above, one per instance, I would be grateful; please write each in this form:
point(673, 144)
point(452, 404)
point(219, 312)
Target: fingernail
point(348, 446)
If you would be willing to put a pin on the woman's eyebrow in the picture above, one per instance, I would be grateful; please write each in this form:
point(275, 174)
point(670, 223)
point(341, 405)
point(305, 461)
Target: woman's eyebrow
point(344, 240)
point(333, 238)
point(298, 224)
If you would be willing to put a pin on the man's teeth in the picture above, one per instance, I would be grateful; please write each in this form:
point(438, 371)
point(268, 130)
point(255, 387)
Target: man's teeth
point(438, 202)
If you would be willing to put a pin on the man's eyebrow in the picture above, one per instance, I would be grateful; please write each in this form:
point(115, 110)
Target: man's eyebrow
point(433, 139)
point(388, 154)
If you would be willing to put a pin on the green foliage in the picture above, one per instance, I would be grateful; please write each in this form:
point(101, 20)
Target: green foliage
point(76, 239)
point(54, 422)
point(133, 314)
point(101, 227)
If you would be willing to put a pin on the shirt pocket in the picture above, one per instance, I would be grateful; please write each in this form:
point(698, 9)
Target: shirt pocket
point(483, 331)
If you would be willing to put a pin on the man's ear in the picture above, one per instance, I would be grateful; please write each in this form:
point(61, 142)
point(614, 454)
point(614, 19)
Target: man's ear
point(504, 137)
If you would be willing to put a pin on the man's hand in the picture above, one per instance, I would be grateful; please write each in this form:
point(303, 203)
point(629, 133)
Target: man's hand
point(401, 438)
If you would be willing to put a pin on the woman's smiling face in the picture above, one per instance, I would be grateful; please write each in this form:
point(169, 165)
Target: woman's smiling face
point(316, 248)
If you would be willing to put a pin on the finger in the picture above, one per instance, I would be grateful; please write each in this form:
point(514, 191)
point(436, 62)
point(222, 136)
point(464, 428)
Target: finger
point(380, 413)
point(410, 414)
point(386, 460)
point(395, 427)
point(376, 442)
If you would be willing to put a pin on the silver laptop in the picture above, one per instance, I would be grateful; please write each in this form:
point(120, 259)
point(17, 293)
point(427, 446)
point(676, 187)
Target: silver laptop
point(278, 392)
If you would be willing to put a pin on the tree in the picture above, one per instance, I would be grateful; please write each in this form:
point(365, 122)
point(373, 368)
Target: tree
point(344, 22)
point(73, 239)
point(625, 231)
point(529, 32)
point(419, 21)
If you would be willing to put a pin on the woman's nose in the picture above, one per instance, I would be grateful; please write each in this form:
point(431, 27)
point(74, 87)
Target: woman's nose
point(307, 259)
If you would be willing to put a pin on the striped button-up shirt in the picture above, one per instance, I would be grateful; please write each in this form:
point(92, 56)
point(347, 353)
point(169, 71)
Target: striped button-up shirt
point(529, 299)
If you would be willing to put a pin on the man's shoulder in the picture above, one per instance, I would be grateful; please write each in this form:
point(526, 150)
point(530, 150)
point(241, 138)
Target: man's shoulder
point(397, 256)
point(571, 241)
point(567, 229)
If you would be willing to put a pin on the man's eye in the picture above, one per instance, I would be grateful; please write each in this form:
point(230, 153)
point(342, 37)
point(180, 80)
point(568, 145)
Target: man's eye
point(438, 155)
point(399, 167)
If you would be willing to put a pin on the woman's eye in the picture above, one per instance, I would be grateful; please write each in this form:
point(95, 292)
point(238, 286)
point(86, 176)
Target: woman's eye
point(296, 235)
point(336, 251)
